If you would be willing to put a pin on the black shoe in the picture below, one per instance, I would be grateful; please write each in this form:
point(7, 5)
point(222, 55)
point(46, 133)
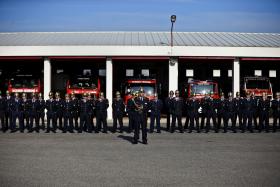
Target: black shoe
point(151, 131)
point(145, 142)
point(104, 132)
point(134, 142)
point(225, 131)
point(121, 131)
point(47, 131)
point(158, 131)
point(198, 131)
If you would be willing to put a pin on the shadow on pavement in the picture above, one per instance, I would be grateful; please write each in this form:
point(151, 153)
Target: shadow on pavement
point(127, 138)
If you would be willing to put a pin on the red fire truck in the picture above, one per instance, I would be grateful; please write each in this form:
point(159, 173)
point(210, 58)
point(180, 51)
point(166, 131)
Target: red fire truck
point(24, 83)
point(131, 85)
point(80, 85)
point(199, 88)
point(258, 85)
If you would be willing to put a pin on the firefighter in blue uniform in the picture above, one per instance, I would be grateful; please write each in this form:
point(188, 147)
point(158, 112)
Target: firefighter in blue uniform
point(264, 106)
point(230, 113)
point(177, 111)
point(130, 111)
point(247, 105)
point(17, 110)
point(168, 105)
point(155, 106)
point(275, 105)
point(67, 114)
point(41, 111)
point(239, 112)
point(59, 109)
point(51, 113)
point(140, 117)
point(33, 112)
point(118, 112)
point(209, 108)
point(85, 108)
point(92, 102)
point(8, 112)
point(75, 110)
point(220, 108)
point(101, 112)
point(192, 110)
point(255, 110)
point(26, 111)
point(2, 112)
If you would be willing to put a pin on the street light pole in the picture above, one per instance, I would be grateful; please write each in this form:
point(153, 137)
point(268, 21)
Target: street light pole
point(173, 19)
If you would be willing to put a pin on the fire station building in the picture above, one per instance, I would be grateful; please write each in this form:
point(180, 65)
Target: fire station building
point(224, 57)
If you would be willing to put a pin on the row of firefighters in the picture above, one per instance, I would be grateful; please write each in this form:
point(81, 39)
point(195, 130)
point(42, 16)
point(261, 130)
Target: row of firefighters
point(252, 112)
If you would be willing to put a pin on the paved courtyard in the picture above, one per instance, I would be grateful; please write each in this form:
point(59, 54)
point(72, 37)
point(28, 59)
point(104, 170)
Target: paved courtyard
point(32, 159)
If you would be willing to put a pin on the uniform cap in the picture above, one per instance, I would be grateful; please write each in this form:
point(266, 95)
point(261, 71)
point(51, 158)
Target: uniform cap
point(101, 94)
point(66, 95)
point(16, 94)
point(24, 95)
point(7, 92)
point(230, 94)
point(40, 95)
point(84, 94)
point(50, 94)
point(118, 93)
point(278, 94)
point(222, 94)
point(57, 94)
point(237, 94)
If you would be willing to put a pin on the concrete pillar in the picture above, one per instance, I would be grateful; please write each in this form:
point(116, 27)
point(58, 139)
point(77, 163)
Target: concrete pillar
point(47, 77)
point(173, 74)
point(236, 76)
point(109, 85)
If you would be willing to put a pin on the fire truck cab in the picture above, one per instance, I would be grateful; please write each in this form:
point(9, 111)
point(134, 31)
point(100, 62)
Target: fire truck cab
point(148, 85)
point(198, 89)
point(83, 84)
point(24, 83)
point(258, 85)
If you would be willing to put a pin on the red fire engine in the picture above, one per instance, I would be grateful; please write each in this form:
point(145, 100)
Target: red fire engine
point(80, 85)
point(199, 89)
point(24, 83)
point(258, 85)
point(148, 85)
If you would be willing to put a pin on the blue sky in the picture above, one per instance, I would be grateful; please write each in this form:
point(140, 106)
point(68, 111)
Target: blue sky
point(140, 15)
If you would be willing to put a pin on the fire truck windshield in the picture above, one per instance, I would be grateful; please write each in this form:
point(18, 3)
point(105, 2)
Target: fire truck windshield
point(83, 83)
point(23, 83)
point(148, 89)
point(202, 88)
point(259, 84)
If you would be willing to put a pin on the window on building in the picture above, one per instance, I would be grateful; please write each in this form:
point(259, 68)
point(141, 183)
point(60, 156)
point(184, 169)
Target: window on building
point(216, 73)
point(258, 72)
point(272, 73)
point(129, 72)
point(189, 72)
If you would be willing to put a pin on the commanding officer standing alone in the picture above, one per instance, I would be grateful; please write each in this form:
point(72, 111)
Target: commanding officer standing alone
point(118, 112)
